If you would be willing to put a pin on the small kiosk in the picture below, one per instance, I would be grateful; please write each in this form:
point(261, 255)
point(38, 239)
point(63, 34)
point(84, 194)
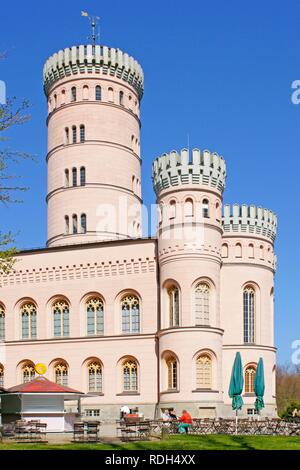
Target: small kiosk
point(40, 399)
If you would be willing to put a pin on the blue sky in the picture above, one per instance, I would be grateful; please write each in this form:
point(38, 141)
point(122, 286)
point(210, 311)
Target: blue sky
point(218, 71)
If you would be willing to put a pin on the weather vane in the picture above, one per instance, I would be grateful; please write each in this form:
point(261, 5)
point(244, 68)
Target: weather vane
point(94, 22)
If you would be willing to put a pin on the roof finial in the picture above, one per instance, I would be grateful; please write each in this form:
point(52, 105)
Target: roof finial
point(94, 22)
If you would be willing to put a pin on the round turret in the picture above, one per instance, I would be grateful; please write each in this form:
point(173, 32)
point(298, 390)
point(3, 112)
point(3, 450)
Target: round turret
point(94, 164)
point(189, 189)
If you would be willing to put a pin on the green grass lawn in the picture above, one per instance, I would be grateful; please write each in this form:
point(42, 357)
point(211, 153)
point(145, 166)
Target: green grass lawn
point(211, 442)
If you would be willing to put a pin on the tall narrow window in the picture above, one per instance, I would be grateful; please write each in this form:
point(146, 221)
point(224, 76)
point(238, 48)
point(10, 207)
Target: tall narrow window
point(28, 373)
point(205, 208)
point(83, 223)
point(204, 371)
point(110, 95)
point(28, 316)
point(55, 102)
point(173, 294)
point(95, 377)
point(188, 208)
point(74, 135)
point(130, 383)
point(249, 379)
point(74, 224)
point(73, 94)
point(251, 250)
point(238, 250)
point(74, 176)
point(63, 97)
point(82, 176)
point(249, 314)
point(2, 323)
point(85, 92)
point(98, 94)
point(82, 133)
point(67, 182)
point(60, 311)
point(202, 292)
point(130, 314)
point(95, 317)
point(172, 373)
point(67, 225)
point(224, 250)
point(1, 375)
point(121, 98)
point(67, 138)
point(172, 210)
point(61, 374)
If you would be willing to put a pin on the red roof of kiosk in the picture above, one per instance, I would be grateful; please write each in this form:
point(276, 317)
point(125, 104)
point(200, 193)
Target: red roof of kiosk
point(41, 385)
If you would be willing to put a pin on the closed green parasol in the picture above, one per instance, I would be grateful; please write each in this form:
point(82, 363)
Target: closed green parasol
point(236, 386)
point(259, 385)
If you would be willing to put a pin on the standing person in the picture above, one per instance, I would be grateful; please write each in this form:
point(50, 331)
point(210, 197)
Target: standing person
point(185, 422)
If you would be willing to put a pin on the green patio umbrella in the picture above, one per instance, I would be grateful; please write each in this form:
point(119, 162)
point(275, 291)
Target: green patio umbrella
point(236, 386)
point(259, 385)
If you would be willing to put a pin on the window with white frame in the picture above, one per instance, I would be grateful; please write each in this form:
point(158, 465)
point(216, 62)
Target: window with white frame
point(204, 371)
point(173, 297)
point(60, 311)
point(2, 323)
point(61, 374)
point(130, 306)
point(129, 374)
point(95, 376)
point(28, 372)
point(202, 301)
point(95, 316)
point(29, 320)
point(249, 314)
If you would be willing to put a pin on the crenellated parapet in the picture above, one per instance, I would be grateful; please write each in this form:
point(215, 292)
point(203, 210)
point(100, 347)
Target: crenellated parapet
point(185, 168)
point(244, 219)
point(104, 60)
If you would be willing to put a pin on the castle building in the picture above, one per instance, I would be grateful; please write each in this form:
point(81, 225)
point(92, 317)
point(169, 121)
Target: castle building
point(150, 323)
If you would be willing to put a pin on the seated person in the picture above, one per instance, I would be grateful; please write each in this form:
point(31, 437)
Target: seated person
point(185, 422)
point(172, 414)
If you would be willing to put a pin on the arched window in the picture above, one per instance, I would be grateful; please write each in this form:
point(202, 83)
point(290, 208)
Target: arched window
point(204, 371)
point(2, 323)
point(85, 93)
point(63, 97)
point(129, 372)
point(218, 211)
point(95, 376)
point(74, 135)
point(74, 224)
point(172, 373)
point(55, 102)
point(28, 316)
point(82, 176)
point(98, 93)
point(61, 374)
point(188, 208)
point(28, 372)
point(249, 314)
point(205, 208)
point(238, 250)
point(251, 250)
point(74, 176)
point(82, 133)
point(67, 139)
point(1, 375)
point(73, 94)
point(130, 314)
point(95, 316)
point(67, 182)
point(224, 253)
point(130, 102)
point(61, 323)
point(249, 379)
point(110, 95)
point(83, 223)
point(202, 294)
point(67, 225)
point(261, 252)
point(121, 98)
point(172, 210)
point(173, 294)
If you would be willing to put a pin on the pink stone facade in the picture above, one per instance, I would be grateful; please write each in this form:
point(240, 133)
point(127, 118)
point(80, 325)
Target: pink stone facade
point(145, 322)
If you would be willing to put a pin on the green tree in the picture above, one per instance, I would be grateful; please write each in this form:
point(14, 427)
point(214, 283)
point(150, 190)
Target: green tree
point(11, 114)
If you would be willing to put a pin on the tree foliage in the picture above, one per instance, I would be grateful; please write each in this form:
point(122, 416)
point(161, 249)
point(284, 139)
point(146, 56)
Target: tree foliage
point(288, 388)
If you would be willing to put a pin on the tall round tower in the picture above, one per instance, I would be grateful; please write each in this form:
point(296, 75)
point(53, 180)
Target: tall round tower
point(189, 196)
point(94, 164)
point(247, 297)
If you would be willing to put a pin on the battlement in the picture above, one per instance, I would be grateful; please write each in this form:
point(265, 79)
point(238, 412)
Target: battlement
point(198, 167)
point(244, 219)
point(100, 59)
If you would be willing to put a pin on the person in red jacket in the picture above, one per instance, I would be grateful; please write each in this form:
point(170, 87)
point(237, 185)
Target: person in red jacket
point(185, 422)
